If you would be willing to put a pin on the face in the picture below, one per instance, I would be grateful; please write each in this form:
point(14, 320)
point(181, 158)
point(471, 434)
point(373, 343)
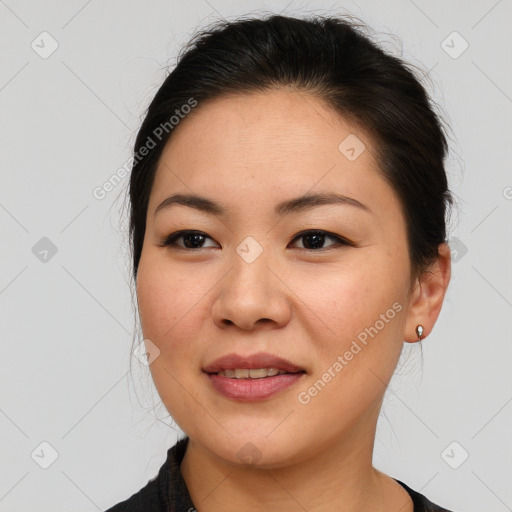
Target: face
point(322, 285)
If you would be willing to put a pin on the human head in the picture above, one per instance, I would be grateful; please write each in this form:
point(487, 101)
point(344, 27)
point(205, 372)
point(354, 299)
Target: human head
point(326, 68)
point(354, 76)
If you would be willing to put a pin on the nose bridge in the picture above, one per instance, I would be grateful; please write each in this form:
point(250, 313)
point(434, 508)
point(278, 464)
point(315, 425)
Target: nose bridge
point(250, 291)
point(250, 272)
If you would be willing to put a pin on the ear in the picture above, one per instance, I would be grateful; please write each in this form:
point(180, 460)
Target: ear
point(428, 295)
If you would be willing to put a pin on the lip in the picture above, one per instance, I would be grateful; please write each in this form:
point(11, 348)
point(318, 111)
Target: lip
point(249, 390)
point(252, 362)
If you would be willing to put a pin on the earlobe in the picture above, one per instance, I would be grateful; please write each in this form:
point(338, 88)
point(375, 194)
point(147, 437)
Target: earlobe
point(428, 296)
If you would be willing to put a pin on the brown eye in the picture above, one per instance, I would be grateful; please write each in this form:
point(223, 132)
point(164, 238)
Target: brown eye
point(314, 240)
point(191, 239)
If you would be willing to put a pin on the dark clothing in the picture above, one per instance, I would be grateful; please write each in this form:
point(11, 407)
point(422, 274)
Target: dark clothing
point(167, 492)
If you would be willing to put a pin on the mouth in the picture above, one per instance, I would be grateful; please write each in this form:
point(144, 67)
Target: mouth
point(252, 373)
point(257, 373)
point(256, 366)
point(250, 378)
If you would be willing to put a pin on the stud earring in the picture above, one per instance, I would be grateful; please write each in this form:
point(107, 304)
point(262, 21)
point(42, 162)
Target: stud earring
point(419, 331)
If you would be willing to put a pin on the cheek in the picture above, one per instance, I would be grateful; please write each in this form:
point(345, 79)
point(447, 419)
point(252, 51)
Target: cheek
point(357, 339)
point(165, 297)
point(175, 312)
point(343, 300)
point(169, 304)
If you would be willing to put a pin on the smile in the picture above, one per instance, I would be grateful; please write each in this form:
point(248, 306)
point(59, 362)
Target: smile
point(246, 373)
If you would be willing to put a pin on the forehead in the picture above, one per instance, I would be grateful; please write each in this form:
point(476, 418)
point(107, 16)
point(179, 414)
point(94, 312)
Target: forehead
point(277, 142)
point(272, 123)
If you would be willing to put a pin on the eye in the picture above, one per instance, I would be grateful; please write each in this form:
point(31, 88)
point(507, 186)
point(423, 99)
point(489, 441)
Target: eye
point(314, 240)
point(317, 237)
point(191, 239)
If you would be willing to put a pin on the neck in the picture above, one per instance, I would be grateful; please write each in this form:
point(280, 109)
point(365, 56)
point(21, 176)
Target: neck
point(339, 476)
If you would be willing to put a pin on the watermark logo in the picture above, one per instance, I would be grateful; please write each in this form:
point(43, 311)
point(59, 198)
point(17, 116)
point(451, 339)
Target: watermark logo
point(457, 249)
point(44, 45)
point(146, 352)
point(249, 453)
point(249, 249)
point(44, 455)
point(352, 147)
point(454, 45)
point(44, 250)
point(454, 455)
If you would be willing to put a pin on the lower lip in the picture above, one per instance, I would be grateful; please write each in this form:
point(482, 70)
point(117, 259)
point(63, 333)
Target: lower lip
point(253, 389)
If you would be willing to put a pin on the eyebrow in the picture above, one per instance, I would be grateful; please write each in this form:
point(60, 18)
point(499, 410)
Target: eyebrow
point(295, 205)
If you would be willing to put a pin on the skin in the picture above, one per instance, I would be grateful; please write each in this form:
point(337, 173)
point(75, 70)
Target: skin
point(248, 153)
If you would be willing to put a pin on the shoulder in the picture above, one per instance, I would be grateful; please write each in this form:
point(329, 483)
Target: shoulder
point(145, 500)
point(161, 489)
point(149, 498)
point(421, 503)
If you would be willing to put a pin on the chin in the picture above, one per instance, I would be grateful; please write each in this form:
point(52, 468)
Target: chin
point(253, 449)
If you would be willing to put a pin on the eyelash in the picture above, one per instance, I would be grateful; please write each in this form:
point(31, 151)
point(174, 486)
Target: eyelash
point(170, 240)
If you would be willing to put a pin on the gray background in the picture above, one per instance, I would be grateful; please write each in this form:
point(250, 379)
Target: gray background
point(68, 121)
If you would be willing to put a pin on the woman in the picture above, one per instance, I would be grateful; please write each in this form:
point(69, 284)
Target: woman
point(288, 205)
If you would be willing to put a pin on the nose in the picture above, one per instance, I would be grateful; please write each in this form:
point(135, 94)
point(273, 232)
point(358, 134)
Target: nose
point(252, 295)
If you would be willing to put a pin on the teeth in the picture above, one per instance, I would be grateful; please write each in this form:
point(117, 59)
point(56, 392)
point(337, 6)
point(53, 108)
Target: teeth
point(245, 373)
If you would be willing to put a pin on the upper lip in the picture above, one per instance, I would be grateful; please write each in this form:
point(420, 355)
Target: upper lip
point(255, 361)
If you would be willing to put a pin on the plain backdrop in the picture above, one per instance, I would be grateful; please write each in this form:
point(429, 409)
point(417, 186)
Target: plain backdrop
point(78, 430)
